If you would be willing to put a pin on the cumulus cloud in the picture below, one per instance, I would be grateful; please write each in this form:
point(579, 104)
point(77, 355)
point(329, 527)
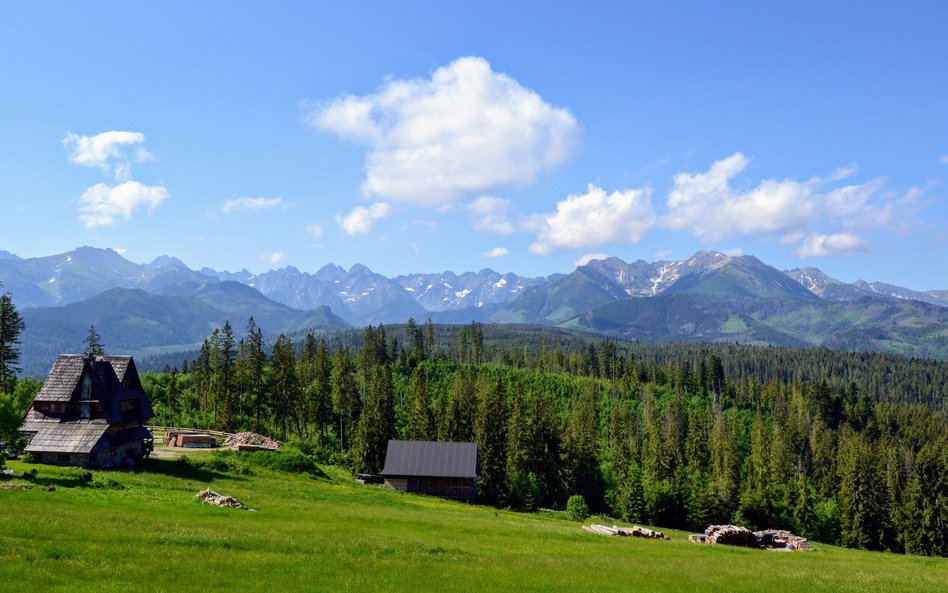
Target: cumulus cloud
point(103, 204)
point(594, 218)
point(463, 131)
point(496, 252)
point(706, 205)
point(315, 230)
point(585, 259)
point(275, 257)
point(819, 214)
point(361, 219)
point(490, 214)
point(818, 245)
point(251, 204)
point(110, 151)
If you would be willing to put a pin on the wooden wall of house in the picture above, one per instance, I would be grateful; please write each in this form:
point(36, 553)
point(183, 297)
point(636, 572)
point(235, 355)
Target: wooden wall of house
point(453, 488)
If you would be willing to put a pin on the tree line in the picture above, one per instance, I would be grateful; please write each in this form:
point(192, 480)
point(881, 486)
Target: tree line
point(673, 441)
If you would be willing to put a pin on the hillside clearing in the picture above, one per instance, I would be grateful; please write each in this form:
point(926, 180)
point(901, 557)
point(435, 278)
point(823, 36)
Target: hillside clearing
point(147, 532)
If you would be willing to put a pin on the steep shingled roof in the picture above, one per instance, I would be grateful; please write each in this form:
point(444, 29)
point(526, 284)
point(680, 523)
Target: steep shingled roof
point(62, 380)
point(430, 458)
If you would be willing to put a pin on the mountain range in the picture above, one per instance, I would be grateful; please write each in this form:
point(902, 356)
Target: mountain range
point(164, 306)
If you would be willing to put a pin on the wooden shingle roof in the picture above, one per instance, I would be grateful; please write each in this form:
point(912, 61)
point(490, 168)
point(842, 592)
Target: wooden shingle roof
point(68, 437)
point(62, 379)
point(430, 458)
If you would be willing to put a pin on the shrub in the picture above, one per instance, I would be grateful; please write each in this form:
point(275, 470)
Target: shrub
point(576, 508)
point(85, 477)
point(27, 458)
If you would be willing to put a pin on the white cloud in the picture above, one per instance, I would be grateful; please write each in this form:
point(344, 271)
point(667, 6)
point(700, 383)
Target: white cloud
point(496, 252)
point(102, 204)
point(817, 245)
point(103, 150)
point(594, 218)
point(944, 160)
point(585, 259)
point(821, 218)
point(734, 251)
point(251, 204)
point(706, 205)
point(463, 131)
point(120, 250)
point(315, 230)
point(275, 257)
point(490, 215)
point(361, 219)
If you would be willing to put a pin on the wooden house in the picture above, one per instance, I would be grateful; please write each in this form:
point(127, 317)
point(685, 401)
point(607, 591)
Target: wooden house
point(91, 412)
point(448, 470)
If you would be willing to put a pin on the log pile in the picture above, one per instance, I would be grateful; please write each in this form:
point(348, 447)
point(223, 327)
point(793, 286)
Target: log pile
point(220, 500)
point(634, 531)
point(250, 441)
point(735, 535)
point(730, 535)
point(781, 539)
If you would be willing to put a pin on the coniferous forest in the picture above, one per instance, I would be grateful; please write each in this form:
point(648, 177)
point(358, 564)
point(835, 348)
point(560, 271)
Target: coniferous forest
point(845, 448)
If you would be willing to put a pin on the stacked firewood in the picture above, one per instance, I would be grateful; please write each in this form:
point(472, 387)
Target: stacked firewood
point(634, 531)
point(730, 535)
point(735, 535)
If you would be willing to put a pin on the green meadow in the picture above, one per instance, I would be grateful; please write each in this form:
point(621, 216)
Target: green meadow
point(319, 531)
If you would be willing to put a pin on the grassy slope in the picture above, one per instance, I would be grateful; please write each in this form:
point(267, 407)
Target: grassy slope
point(336, 535)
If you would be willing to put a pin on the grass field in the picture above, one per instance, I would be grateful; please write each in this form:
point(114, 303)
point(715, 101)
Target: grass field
point(145, 532)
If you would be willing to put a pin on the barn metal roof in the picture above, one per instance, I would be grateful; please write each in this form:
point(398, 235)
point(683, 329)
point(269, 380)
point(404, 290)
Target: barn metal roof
point(430, 458)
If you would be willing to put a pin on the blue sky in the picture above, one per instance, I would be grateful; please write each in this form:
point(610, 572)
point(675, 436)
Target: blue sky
point(443, 135)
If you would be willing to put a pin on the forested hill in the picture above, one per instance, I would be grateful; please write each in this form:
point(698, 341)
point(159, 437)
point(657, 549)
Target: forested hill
point(672, 436)
point(879, 377)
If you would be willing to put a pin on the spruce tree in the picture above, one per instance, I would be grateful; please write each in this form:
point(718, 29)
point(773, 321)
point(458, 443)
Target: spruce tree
point(490, 432)
point(11, 326)
point(420, 422)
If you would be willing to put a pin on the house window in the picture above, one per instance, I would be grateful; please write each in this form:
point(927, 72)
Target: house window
point(127, 384)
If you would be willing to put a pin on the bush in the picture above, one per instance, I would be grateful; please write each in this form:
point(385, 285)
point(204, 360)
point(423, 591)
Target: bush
point(27, 458)
point(85, 477)
point(576, 508)
point(290, 461)
point(30, 474)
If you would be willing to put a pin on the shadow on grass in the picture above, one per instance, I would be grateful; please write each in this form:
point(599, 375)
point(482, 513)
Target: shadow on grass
point(181, 468)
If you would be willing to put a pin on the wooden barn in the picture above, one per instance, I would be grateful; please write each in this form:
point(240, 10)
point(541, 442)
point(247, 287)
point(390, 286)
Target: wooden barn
point(91, 412)
point(448, 470)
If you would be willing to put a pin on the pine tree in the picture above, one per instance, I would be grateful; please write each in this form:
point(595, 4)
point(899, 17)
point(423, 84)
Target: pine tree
point(11, 326)
point(346, 402)
point(925, 506)
point(376, 423)
point(285, 384)
point(461, 409)
point(862, 495)
point(94, 342)
point(490, 432)
point(420, 423)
